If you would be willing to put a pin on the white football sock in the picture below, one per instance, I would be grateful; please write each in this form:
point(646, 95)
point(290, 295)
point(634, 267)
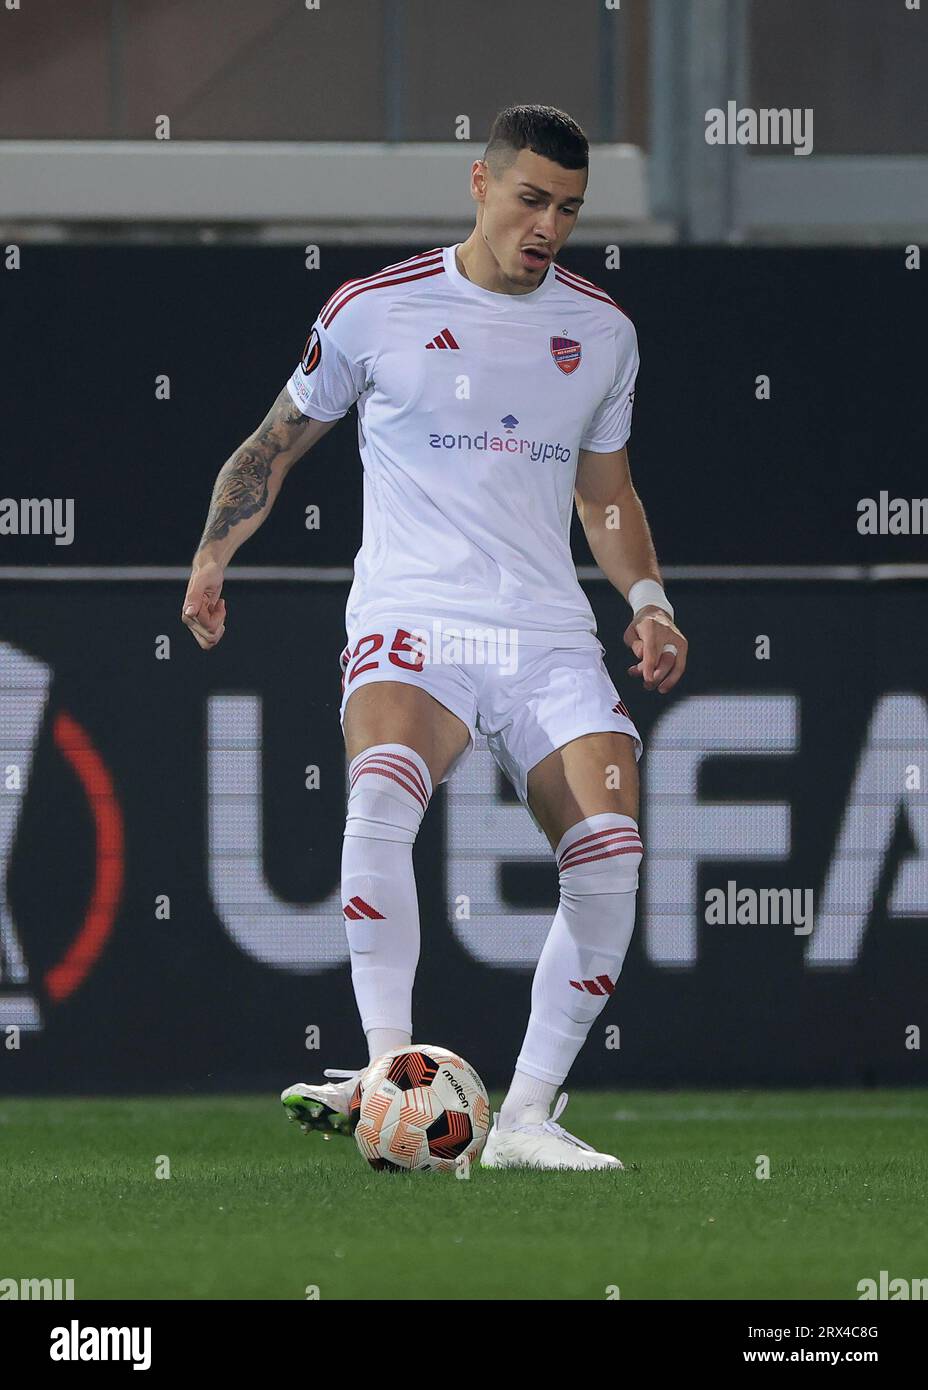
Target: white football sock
point(388, 791)
point(381, 1040)
point(583, 954)
point(527, 1102)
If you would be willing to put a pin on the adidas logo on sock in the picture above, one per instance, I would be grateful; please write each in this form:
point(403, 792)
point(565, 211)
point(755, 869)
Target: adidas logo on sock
point(601, 985)
point(356, 908)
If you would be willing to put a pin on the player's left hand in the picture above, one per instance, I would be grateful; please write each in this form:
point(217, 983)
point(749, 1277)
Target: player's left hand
point(659, 646)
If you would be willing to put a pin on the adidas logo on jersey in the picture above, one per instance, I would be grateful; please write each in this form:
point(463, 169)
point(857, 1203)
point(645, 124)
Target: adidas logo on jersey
point(444, 339)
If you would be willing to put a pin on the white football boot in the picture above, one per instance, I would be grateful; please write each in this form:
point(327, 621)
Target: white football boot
point(333, 1109)
point(546, 1145)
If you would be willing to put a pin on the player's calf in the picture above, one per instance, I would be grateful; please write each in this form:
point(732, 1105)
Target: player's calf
point(581, 960)
point(389, 791)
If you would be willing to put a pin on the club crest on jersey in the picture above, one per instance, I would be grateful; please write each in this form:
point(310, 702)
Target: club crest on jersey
point(312, 353)
point(566, 354)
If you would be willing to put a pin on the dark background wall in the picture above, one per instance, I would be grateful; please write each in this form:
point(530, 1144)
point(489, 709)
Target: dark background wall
point(131, 791)
point(119, 806)
point(726, 479)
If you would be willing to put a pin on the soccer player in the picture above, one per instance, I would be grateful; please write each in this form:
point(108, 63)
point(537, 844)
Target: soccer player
point(494, 388)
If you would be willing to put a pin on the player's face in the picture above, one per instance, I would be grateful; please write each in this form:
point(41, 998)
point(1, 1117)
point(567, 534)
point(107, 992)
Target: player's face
point(529, 211)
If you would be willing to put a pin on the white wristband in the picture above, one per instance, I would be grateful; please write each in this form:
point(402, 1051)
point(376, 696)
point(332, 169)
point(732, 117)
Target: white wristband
point(647, 591)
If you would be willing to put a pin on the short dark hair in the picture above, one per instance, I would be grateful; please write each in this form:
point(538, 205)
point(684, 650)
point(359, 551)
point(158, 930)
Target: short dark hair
point(543, 129)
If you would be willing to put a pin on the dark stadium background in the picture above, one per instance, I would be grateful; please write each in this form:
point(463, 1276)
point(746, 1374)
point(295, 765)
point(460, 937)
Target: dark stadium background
point(725, 478)
point(167, 1005)
point(734, 264)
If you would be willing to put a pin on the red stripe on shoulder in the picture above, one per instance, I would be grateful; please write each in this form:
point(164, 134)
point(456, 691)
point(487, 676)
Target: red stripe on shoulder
point(396, 267)
point(583, 286)
point(582, 280)
point(411, 260)
point(428, 261)
point(379, 285)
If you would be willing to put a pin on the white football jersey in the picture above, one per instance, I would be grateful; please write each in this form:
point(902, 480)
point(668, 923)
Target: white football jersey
point(472, 407)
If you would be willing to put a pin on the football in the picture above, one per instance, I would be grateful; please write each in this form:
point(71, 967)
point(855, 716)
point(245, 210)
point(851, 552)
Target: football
point(421, 1109)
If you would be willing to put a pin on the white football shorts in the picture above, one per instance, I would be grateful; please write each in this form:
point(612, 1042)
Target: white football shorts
point(527, 704)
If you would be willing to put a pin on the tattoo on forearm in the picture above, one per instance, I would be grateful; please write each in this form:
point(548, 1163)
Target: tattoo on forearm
point(242, 485)
point(240, 491)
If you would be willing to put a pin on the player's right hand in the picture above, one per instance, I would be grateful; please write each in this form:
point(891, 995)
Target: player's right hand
point(204, 611)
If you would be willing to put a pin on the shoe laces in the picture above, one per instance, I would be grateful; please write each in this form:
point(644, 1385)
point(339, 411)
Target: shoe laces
point(550, 1126)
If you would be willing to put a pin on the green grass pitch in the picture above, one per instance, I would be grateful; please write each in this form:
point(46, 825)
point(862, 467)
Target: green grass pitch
point(255, 1209)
